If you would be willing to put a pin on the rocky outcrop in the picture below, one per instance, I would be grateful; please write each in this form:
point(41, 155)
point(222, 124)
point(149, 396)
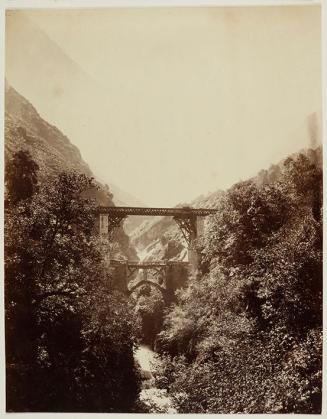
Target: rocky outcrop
point(161, 238)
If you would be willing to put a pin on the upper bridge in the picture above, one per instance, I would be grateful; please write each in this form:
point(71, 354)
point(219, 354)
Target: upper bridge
point(189, 220)
point(175, 212)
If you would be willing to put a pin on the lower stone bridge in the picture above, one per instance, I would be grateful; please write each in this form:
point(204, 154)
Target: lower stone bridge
point(164, 275)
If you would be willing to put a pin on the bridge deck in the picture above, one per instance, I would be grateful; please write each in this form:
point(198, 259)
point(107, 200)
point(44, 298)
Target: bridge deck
point(150, 264)
point(186, 211)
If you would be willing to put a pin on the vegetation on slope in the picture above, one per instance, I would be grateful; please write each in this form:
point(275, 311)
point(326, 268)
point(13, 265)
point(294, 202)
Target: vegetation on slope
point(247, 336)
point(149, 307)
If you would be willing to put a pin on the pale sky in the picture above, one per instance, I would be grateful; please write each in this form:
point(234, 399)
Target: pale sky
point(172, 103)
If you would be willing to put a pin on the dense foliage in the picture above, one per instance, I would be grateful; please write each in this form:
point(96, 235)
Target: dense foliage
point(149, 307)
point(247, 336)
point(69, 335)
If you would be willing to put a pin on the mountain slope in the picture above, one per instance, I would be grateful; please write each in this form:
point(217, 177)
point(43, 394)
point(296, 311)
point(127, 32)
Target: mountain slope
point(162, 239)
point(28, 69)
point(50, 148)
point(57, 97)
point(25, 128)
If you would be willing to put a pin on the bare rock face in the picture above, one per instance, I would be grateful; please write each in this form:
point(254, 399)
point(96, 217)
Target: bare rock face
point(161, 238)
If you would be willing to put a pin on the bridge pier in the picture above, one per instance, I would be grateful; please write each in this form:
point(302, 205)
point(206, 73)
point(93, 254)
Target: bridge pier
point(108, 224)
point(191, 227)
point(193, 259)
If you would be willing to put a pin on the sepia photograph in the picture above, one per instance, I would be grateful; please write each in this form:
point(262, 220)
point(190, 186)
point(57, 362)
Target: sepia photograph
point(163, 217)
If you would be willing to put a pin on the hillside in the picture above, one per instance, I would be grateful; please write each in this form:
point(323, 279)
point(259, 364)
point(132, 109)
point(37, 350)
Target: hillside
point(246, 336)
point(24, 128)
point(274, 172)
point(55, 97)
point(50, 148)
point(162, 239)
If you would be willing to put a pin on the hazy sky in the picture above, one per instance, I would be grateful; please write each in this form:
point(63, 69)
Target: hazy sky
point(172, 103)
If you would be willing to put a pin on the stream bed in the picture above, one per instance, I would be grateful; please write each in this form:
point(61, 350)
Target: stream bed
point(156, 400)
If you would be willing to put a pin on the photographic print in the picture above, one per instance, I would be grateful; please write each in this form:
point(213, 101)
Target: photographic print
point(163, 209)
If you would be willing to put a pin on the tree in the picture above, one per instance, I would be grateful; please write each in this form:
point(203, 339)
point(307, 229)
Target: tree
point(149, 307)
point(69, 335)
point(21, 177)
point(247, 336)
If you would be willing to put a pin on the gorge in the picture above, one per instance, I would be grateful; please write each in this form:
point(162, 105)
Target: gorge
point(242, 334)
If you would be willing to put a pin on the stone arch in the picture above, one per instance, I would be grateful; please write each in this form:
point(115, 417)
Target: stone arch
point(152, 283)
